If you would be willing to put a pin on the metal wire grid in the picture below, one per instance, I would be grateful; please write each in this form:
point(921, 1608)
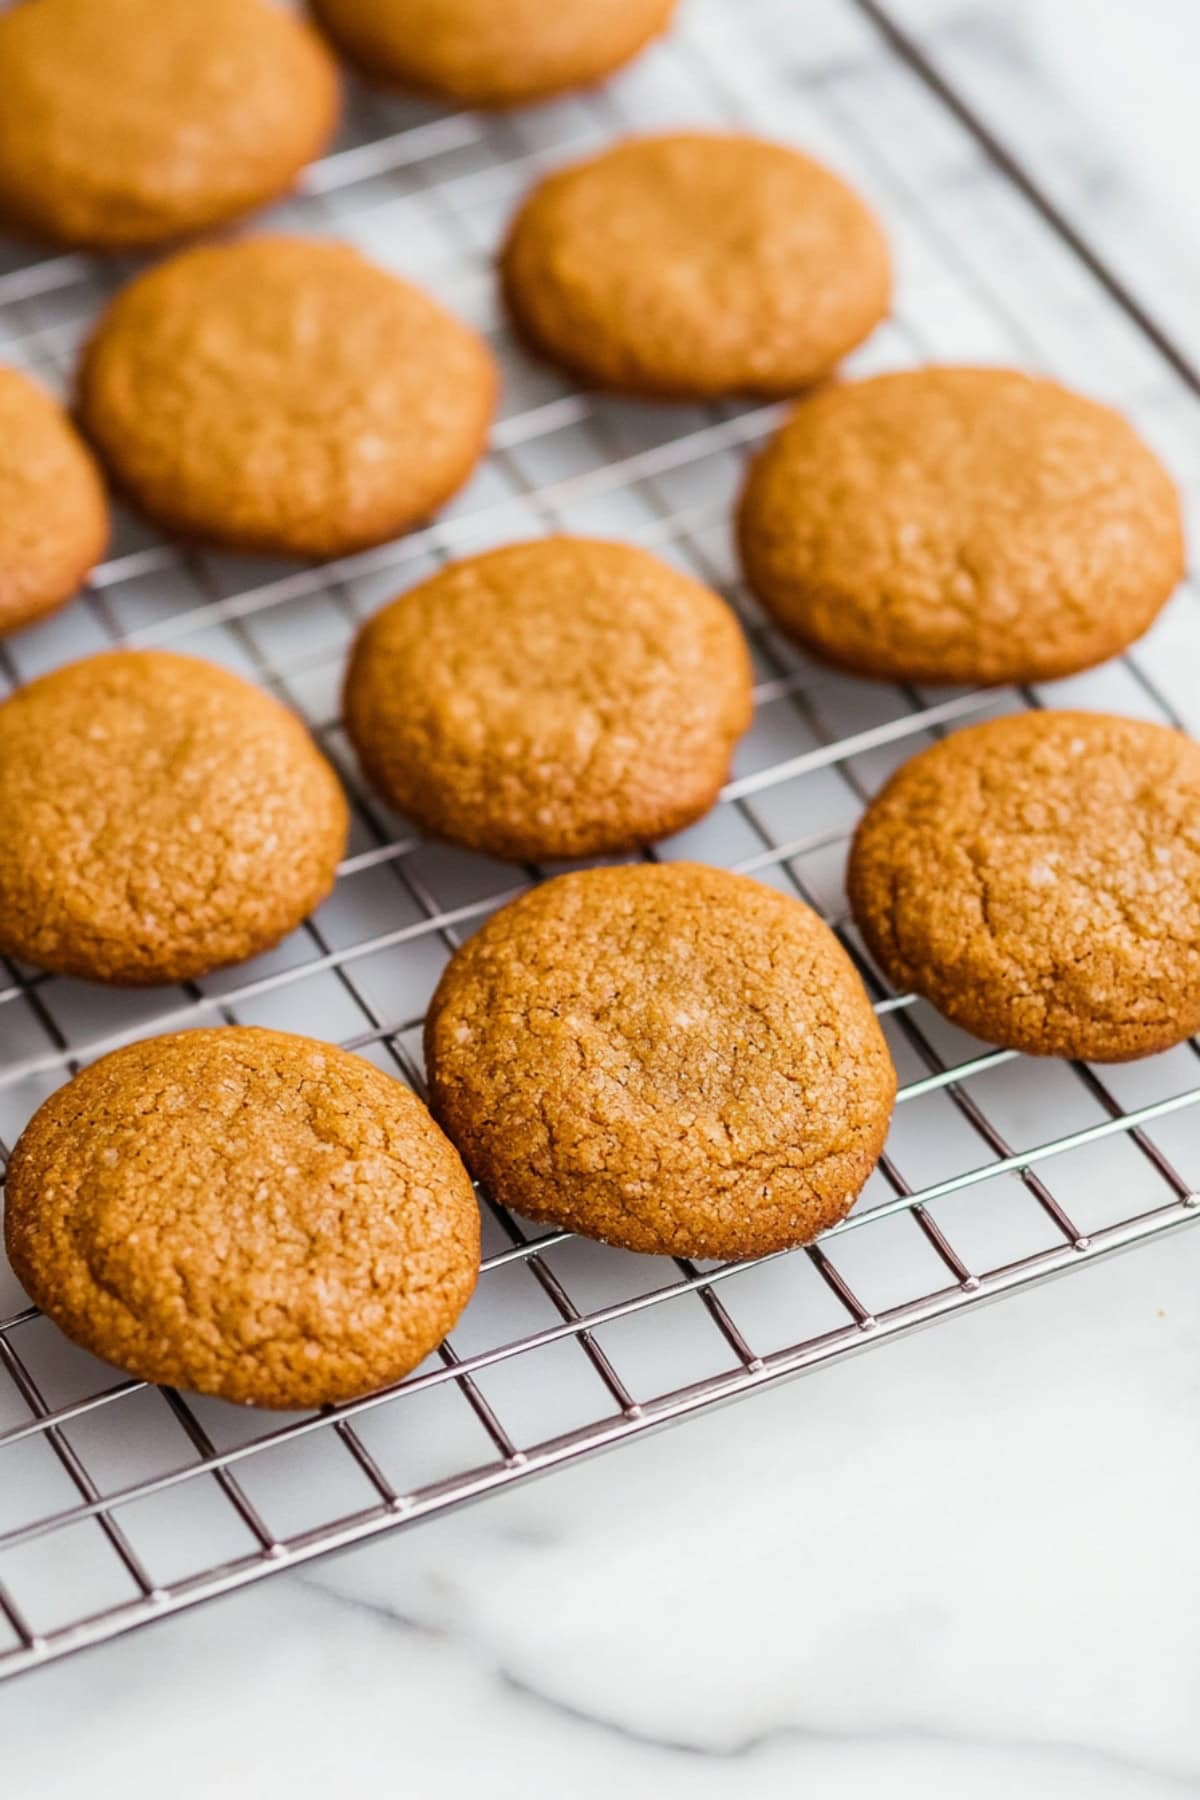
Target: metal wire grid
point(121, 1503)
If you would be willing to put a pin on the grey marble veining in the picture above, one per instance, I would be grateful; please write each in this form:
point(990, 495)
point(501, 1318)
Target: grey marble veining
point(965, 1565)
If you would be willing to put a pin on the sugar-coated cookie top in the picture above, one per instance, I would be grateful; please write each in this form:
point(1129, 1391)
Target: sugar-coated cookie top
point(128, 122)
point(668, 1057)
point(53, 509)
point(559, 698)
point(244, 1213)
point(1038, 878)
point(696, 264)
point(962, 525)
point(482, 53)
point(159, 817)
point(285, 394)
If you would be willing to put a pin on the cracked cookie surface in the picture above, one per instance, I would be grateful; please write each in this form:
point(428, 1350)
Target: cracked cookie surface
point(667, 1057)
point(960, 524)
point(694, 265)
point(53, 508)
point(481, 54)
point(243, 1213)
point(1037, 878)
point(559, 698)
point(159, 818)
point(134, 121)
point(285, 395)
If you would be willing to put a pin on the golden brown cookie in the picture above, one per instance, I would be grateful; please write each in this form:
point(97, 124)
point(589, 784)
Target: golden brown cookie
point(483, 54)
point(53, 510)
point(960, 525)
point(1038, 878)
point(667, 1057)
point(243, 1213)
point(159, 818)
point(558, 698)
point(285, 395)
point(127, 122)
point(694, 265)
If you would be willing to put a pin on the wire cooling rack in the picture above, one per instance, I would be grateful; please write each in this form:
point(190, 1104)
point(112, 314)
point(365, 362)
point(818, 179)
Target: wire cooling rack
point(121, 1503)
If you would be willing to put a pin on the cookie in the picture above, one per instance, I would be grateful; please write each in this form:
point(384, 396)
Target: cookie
point(1037, 878)
point(133, 121)
point(243, 1213)
point(559, 698)
point(695, 265)
point(480, 54)
point(285, 395)
point(159, 818)
point(53, 510)
point(960, 525)
point(668, 1057)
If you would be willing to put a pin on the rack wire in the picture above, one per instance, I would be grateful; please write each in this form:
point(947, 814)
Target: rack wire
point(120, 1503)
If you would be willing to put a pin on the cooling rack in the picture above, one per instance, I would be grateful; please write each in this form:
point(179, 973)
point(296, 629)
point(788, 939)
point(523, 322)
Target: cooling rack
point(119, 1503)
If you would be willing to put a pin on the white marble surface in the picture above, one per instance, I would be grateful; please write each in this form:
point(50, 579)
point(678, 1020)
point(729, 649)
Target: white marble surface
point(965, 1564)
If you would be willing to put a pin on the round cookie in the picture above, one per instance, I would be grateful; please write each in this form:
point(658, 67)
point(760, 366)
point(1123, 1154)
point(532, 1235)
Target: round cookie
point(694, 265)
point(481, 54)
point(960, 525)
point(285, 395)
point(243, 1213)
point(53, 510)
point(1037, 878)
point(559, 698)
point(664, 1056)
point(132, 121)
point(159, 818)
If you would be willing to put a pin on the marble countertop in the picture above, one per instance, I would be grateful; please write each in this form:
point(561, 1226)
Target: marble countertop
point(965, 1564)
